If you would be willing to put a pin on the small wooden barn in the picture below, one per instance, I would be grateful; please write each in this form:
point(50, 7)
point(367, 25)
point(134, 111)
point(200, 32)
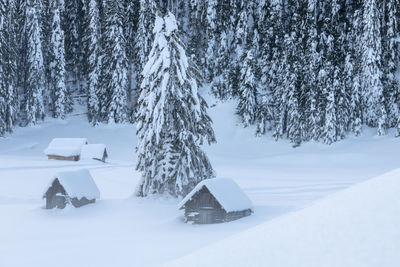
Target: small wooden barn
point(65, 148)
point(216, 201)
point(74, 187)
point(94, 151)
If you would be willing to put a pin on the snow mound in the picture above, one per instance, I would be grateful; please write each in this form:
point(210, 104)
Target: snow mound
point(78, 184)
point(226, 191)
point(65, 147)
point(359, 226)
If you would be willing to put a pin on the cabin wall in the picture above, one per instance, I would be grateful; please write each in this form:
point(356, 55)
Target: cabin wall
point(231, 216)
point(55, 196)
point(81, 202)
point(203, 208)
point(71, 158)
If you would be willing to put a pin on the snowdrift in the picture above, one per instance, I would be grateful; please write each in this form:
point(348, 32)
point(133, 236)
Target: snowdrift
point(359, 226)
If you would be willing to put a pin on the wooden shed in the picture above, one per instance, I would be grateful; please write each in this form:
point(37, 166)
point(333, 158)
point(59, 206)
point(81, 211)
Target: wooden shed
point(65, 148)
point(94, 151)
point(216, 201)
point(75, 187)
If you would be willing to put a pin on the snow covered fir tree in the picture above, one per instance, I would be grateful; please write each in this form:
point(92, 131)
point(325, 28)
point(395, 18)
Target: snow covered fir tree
point(171, 118)
point(300, 70)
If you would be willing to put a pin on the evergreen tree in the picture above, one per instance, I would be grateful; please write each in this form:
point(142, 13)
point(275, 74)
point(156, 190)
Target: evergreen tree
point(172, 118)
point(8, 97)
point(247, 107)
point(144, 36)
point(211, 39)
point(93, 56)
point(59, 92)
point(34, 82)
point(73, 42)
point(115, 63)
point(3, 87)
point(391, 60)
point(130, 28)
point(373, 98)
point(311, 69)
point(353, 69)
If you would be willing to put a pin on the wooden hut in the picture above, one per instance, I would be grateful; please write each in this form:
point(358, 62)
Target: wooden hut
point(94, 151)
point(216, 201)
point(75, 187)
point(65, 148)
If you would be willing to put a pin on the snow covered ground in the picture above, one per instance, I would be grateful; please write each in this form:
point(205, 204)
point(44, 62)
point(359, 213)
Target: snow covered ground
point(355, 227)
point(286, 186)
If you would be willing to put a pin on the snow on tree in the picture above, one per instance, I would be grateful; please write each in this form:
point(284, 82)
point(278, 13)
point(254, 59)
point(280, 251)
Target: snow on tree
point(93, 56)
point(373, 98)
point(352, 79)
point(59, 92)
point(211, 37)
point(247, 106)
point(8, 96)
point(34, 83)
point(144, 37)
point(171, 117)
point(72, 24)
point(391, 60)
point(220, 88)
point(311, 67)
point(115, 64)
point(3, 87)
point(131, 11)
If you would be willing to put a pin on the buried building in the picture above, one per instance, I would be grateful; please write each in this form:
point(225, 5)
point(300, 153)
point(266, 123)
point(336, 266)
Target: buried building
point(74, 187)
point(94, 151)
point(65, 148)
point(216, 201)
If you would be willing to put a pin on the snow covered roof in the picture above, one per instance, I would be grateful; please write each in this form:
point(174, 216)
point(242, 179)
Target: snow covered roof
point(226, 192)
point(78, 184)
point(65, 147)
point(93, 151)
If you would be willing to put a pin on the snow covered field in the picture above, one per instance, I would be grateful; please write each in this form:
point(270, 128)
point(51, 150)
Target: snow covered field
point(291, 221)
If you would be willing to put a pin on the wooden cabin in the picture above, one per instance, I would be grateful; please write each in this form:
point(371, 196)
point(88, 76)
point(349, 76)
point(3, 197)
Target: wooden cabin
point(65, 148)
point(74, 187)
point(94, 151)
point(216, 201)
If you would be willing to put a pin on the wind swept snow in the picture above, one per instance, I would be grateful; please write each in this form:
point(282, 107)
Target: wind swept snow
point(357, 227)
point(122, 230)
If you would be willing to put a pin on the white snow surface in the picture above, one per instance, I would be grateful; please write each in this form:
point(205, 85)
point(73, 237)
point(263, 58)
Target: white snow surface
point(285, 185)
point(65, 147)
point(356, 227)
point(227, 193)
point(93, 151)
point(78, 184)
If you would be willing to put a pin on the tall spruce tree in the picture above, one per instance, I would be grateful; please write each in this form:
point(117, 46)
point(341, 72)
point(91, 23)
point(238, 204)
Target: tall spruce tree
point(391, 60)
point(172, 118)
point(59, 93)
point(34, 81)
point(211, 39)
point(353, 69)
point(247, 106)
point(144, 36)
point(373, 98)
point(8, 97)
point(3, 86)
point(92, 41)
point(115, 64)
point(72, 23)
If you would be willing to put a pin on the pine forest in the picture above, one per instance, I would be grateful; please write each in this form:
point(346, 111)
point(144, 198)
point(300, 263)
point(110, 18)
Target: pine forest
point(298, 69)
